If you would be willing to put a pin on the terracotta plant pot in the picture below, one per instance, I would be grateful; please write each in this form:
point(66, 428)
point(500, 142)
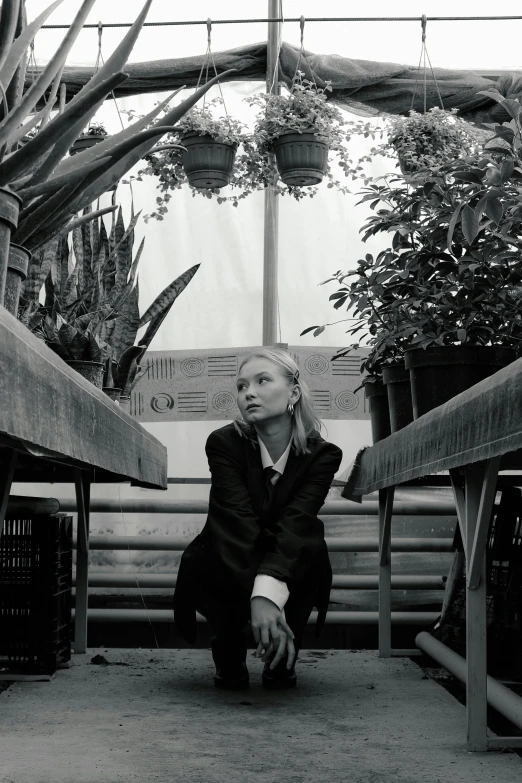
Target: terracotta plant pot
point(437, 374)
point(301, 159)
point(377, 397)
point(17, 266)
point(91, 371)
point(10, 204)
point(207, 163)
point(84, 143)
point(396, 378)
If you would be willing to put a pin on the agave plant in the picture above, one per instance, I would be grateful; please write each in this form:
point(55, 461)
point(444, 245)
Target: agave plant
point(91, 302)
point(54, 189)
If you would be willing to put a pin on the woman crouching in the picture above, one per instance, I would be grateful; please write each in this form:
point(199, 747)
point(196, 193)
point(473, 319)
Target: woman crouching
point(261, 557)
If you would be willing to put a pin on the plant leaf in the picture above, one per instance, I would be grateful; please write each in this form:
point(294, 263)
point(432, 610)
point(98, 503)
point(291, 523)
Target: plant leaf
point(452, 224)
point(168, 296)
point(35, 92)
point(18, 47)
point(493, 209)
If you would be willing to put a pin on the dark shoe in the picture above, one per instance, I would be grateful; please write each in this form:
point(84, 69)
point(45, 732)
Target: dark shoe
point(230, 658)
point(279, 678)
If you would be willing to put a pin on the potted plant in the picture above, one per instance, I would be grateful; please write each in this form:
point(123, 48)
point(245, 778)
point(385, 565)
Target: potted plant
point(418, 143)
point(42, 190)
point(210, 144)
point(93, 135)
point(304, 110)
point(97, 295)
point(300, 128)
point(386, 384)
point(77, 345)
point(456, 264)
point(424, 141)
point(17, 266)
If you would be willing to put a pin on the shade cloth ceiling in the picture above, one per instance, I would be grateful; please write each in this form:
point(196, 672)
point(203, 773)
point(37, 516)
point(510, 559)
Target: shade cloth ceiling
point(363, 87)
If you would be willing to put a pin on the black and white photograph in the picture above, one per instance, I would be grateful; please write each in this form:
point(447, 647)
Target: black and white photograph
point(260, 391)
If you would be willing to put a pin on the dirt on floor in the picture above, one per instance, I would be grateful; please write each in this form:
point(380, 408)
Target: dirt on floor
point(154, 715)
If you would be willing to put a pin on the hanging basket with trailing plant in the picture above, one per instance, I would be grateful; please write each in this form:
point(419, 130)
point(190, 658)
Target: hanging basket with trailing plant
point(93, 135)
point(301, 128)
point(209, 145)
point(208, 163)
point(301, 158)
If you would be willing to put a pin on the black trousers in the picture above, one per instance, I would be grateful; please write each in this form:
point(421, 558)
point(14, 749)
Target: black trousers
point(227, 610)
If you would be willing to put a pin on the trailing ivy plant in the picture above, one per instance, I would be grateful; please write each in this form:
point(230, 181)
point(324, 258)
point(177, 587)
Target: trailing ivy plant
point(418, 143)
point(304, 109)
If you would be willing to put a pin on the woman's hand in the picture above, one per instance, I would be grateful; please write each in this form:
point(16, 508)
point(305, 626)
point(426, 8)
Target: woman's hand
point(271, 631)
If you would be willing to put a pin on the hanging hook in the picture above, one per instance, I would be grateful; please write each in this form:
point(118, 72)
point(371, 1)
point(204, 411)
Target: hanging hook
point(301, 25)
point(424, 22)
point(100, 33)
point(209, 30)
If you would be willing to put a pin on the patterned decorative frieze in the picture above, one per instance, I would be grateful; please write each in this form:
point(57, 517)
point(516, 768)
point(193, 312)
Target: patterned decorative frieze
point(198, 385)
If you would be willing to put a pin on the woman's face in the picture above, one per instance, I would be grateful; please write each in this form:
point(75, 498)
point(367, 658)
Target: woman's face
point(263, 391)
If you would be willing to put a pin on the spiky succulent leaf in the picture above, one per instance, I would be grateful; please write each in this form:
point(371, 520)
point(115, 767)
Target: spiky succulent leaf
point(19, 47)
point(36, 91)
point(168, 296)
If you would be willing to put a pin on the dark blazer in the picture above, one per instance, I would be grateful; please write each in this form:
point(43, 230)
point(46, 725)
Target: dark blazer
point(239, 541)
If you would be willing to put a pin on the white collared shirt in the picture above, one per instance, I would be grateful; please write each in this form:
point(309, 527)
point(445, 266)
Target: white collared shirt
point(264, 585)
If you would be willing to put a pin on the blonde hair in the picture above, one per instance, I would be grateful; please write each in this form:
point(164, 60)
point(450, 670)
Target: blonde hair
point(305, 423)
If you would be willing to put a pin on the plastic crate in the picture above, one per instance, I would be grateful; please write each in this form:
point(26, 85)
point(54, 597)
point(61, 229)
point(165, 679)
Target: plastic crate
point(36, 628)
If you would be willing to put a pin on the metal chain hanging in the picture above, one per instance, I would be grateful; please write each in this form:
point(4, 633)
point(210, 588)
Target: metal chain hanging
point(423, 56)
point(32, 65)
point(209, 58)
point(99, 59)
point(302, 55)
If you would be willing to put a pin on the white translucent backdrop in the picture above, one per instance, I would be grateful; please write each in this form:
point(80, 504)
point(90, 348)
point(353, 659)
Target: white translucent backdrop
point(222, 306)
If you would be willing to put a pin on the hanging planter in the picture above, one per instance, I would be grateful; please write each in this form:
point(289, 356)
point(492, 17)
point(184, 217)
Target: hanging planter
point(208, 163)
point(301, 158)
point(439, 373)
point(92, 136)
point(17, 266)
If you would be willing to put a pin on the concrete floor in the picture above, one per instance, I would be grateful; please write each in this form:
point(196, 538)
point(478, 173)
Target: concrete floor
point(154, 715)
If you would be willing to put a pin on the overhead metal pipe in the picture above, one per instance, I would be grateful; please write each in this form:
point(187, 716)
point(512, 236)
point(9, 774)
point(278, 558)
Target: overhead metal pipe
point(332, 618)
point(501, 698)
point(175, 544)
point(330, 508)
point(340, 582)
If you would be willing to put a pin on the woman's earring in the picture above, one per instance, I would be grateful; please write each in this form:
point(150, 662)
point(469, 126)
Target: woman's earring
point(290, 408)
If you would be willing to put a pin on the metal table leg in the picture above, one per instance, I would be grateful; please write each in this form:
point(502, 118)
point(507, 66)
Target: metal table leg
point(385, 517)
point(83, 491)
point(6, 481)
point(480, 484)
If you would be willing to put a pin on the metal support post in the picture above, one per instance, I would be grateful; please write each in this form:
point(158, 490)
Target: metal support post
point(83, 491)
point(476, 681)
point(385, 516)
point(458, 494)
point(271, 215)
